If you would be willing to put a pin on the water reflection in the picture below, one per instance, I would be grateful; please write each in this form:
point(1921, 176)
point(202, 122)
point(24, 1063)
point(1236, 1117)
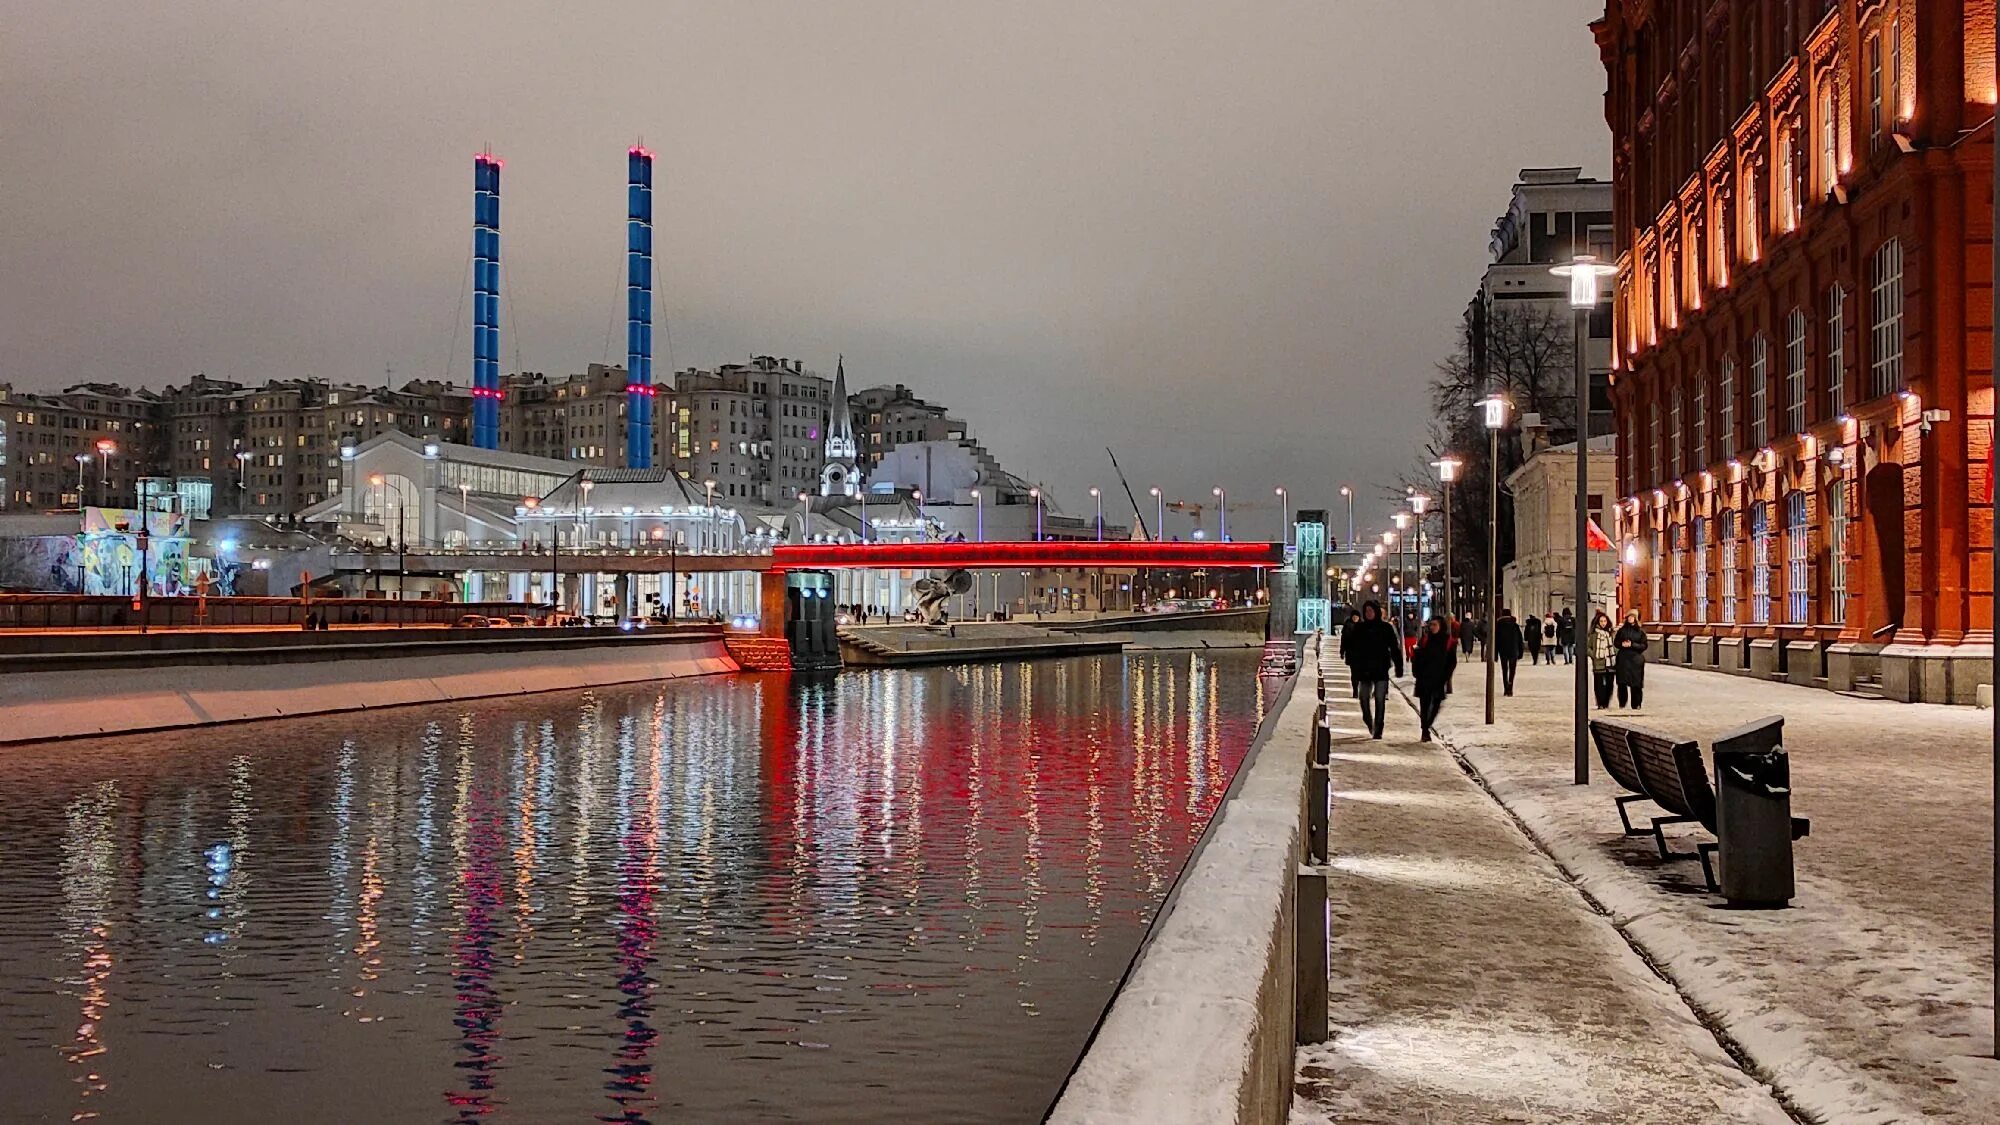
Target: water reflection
point(896, 895)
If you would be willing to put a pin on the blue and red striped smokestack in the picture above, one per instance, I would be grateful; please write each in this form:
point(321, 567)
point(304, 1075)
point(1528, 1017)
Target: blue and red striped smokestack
point(639, 308)
point(486, 301)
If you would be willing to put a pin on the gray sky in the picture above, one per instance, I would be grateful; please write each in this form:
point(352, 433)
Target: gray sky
point(1228, 240)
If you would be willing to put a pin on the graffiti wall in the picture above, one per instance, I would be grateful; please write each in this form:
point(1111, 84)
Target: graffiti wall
point(106, 559)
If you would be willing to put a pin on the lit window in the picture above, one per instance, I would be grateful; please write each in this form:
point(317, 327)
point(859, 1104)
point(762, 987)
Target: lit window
point(1726, 393)
point(1795, 371)
point(1836, 550)
point(1886, 324)
point(1836, 352)
point(1798, 559)
point(1698, 532)
point(1760, 563)
point(1760, 389)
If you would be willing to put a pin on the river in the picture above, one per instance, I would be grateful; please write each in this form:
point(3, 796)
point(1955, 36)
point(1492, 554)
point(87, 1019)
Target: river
point(893, 895)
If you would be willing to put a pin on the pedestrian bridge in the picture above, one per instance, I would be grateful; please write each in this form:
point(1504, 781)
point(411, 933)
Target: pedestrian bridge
point(1114, 554)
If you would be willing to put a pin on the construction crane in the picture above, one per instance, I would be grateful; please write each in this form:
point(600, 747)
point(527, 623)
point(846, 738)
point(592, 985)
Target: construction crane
point(1136, 513)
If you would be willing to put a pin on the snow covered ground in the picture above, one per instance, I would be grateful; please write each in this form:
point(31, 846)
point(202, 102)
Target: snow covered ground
point(1471, 982)
point(1870, 1000)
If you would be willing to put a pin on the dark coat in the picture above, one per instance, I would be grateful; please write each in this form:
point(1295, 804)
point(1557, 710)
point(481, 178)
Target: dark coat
point(1532, 629)
point(1507, 642)
point(1370, 649)
point(1565, 629)
point(1630, 642)
point(1433, 663)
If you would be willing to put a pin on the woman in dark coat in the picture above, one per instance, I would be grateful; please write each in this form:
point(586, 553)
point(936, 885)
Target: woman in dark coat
point(1435, 660)
point(1531, 630)
point(1630, 642)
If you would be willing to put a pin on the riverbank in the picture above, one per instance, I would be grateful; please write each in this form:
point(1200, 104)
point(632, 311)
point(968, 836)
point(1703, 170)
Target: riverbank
point(85, 694)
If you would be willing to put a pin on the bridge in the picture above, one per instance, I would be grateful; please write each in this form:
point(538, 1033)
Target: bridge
point(1112, 554)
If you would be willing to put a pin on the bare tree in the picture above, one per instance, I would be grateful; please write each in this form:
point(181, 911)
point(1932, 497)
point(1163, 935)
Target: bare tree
point(1530, 360)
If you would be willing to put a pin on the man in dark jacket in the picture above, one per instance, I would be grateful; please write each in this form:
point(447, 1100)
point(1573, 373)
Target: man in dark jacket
point(1507, 645)
point(1565, 637)
point(1371, 647)
point(1531, 632)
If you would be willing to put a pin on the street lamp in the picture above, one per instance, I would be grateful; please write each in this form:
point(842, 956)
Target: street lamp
point(1586, 275)
point(708, 487)
point(1284, 518)
point(1098, 496)
point(1222, 527)
point(1036, 492)
point(82, 459)
point(1494, 414)
point(923, 516)
point(1159, 516)
point(1447, 473)
point(242, 474)
point(1402, 520)
point(978, 516)
point(1348, 494)
point(402, 539)
point(802, 515)
point(105, 448)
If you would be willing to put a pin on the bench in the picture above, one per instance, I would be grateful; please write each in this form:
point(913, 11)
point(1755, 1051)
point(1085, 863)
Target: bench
point(1615, 752)
point(1670, 773)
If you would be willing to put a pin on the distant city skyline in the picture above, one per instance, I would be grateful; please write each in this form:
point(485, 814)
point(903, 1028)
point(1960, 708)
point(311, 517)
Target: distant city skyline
point(1206, 239)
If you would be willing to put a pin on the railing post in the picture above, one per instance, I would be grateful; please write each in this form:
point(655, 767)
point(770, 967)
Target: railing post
point(1309, 1014)
point(1319, 809)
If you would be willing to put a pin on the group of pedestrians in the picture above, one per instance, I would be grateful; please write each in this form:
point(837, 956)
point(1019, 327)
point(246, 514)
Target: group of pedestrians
point(1373, 649)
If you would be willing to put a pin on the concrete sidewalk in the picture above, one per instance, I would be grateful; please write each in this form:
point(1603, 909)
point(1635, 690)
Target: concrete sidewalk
point(1470, 981)
point(1870, 999)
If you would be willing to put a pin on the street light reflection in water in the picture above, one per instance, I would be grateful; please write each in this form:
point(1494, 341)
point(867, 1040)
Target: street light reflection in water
point(892, 895)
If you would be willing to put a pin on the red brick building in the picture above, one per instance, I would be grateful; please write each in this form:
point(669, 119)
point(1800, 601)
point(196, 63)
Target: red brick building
point(1803, 385)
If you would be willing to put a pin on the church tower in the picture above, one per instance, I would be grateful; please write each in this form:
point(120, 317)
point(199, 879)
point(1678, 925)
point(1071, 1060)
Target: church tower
point(840, 477)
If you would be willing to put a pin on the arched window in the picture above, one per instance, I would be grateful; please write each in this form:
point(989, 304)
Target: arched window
point(1798, 560)
point(1760, 563)
point(1731, 572)
point(1698, 534)
point(1836, 549)
point(1760, 391)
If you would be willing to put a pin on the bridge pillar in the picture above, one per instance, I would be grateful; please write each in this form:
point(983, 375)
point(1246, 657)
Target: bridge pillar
point(771, 603)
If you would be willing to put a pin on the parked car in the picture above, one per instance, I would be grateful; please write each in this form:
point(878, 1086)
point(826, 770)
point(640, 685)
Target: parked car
point(472, 621)
point(519, 620)
point(499, 623)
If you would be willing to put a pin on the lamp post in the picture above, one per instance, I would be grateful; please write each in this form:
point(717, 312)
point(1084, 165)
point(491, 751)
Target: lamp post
point(1447, 473)
point(923, 516)
point(1222, 526)
point(802, 515)
point(1586, 275)
point(1284, 517)
point(1420, 505)
point(708, 487)
point(1036, 492)
point(82, 459)
point(1395, 539)
point(1097, 495)
point(402, 541)
point(105, 448)
point(242, 477)
point(978, 516)
point(1159, 516)
point(1348, 494)
point(1495, 417)
point(465, 512)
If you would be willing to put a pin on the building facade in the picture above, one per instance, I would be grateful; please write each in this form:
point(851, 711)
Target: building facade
point(757, 429)
point(1804, 385)
point(1553, 215)
point(1542, 578)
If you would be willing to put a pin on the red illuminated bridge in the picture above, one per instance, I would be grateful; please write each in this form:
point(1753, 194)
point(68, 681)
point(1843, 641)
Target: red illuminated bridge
point(1110, 554)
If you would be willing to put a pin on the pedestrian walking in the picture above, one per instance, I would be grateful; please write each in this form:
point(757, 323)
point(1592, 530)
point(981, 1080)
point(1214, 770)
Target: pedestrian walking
point(1630, 641)
point(1468, 632)
point(1432, 665)
point(1371, 647)
point(1507, 645)
point(1566, 636)
point(1602, 652)
point(1531, 632)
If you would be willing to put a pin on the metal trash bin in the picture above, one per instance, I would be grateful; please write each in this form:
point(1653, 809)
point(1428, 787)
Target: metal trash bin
point(1753, 815)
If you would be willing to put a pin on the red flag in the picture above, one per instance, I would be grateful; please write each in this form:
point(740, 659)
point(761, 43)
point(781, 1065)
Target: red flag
point(1596, 539)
